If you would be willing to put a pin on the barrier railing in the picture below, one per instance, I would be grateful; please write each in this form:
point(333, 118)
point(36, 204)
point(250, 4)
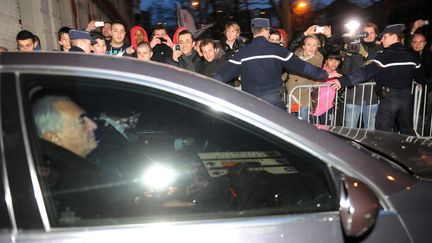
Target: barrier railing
point(353, 107)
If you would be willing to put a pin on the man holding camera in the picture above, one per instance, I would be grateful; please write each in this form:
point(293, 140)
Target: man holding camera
point(161, 44)
point(361, 101)
point(394, 70)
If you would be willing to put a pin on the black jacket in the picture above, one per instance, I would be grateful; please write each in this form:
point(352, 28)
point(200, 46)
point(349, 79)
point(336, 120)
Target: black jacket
point(395, 67)
point(261, 64)
point(209, 69)
point(351, 63)
point(183, 63)
point(161, 53)
point(229, 52)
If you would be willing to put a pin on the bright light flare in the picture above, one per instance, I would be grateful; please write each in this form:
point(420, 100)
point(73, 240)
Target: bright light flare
point(159, 177)
point(352, 26)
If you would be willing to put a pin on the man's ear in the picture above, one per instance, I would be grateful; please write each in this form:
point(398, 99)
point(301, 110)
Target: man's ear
point(52, 137)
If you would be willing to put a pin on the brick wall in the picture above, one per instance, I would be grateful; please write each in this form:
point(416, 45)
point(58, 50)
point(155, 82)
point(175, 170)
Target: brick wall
point(9, 23)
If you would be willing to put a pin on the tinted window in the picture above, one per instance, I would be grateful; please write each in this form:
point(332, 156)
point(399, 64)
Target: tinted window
point(160, 156)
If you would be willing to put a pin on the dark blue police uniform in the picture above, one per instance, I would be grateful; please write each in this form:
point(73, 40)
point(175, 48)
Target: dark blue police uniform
point(394, 70)
point(260, 65)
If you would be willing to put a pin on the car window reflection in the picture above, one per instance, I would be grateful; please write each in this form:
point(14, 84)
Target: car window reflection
point(142, 155)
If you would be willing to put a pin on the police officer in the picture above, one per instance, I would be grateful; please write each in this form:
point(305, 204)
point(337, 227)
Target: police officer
point(394, 70)
point(261, 63)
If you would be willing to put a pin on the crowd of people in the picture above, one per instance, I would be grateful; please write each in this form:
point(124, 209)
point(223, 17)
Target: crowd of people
point(271, 63)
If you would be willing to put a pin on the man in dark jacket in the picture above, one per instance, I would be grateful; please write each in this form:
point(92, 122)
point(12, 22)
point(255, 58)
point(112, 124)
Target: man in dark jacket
point(261, 64)
point(213, 58)
point(186, 57)
point(394, 69)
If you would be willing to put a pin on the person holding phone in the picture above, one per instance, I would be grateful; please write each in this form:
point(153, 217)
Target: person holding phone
point(161, 44)
point(186, 57)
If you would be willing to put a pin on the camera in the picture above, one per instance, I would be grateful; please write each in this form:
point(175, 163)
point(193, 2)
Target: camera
point(319, 29)
point(162, 39)
point(177, 47)
point(353, 42)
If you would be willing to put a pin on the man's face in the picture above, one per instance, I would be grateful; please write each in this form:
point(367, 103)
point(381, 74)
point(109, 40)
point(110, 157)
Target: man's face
point(418, 43)
point(144, 53)
point(371, 34)
point(231, 34)
point(388, 39)
point(139, 36)
point(209, 52)
point(118, 33)
point(65, 41)
point(186, 44)
point(100, 47)
point(26, 45)
point(77, 134)
point(160, 33)
point(106, 30)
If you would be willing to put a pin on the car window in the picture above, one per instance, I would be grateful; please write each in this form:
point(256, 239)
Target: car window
point(4, 215)
point(155, 156)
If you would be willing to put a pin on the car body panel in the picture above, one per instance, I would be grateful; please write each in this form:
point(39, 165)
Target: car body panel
point(319, 227)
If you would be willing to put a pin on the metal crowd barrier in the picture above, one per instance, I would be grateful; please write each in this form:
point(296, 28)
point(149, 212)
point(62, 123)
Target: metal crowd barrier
point(422, 108)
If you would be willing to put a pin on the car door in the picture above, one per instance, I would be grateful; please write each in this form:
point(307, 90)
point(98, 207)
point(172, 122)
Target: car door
point(165, 168)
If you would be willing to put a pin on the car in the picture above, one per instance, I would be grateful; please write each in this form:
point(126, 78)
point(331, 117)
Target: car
point(182, 157)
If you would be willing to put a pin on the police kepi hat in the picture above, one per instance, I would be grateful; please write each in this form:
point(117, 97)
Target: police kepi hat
point(394, 28)
point(260, 23)
point(79, 34)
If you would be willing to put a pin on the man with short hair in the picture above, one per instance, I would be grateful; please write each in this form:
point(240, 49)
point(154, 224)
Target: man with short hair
point(394, 70)
point(212, 60)
point(63, 39)
point(61, 121)
point(144, 51)
point(25, 41)
point(80, 41)
point(161, 44)
point(186, 57)
point(261, 64)
point(117, 46)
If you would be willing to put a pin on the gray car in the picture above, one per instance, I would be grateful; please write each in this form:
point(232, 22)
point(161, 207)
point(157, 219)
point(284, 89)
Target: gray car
point(178, 157)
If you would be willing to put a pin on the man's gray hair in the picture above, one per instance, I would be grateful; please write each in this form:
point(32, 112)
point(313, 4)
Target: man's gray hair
point(46, 117)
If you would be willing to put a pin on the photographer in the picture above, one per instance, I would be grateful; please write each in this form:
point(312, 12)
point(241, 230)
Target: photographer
point(359, 100)
point(161, 44)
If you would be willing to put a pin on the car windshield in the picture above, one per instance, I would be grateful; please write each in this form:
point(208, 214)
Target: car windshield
point(413, 153)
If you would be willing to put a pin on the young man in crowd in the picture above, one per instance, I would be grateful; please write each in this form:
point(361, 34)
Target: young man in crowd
point(63, 39)
point(25, 41)
point(213, 59)
point(118, 45)
point(99, 45)
point(229, 41)
point(186, 57)
point(161, 44)
point(144, 51)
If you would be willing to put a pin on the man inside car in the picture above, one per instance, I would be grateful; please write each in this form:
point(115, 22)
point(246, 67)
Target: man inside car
point(61, 121)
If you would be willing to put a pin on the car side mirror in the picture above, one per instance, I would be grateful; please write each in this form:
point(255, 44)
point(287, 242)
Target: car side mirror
point(358, 206)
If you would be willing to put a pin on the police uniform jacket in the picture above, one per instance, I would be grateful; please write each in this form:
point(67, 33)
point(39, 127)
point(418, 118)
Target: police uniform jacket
point(394, 68)
point(260, 65)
